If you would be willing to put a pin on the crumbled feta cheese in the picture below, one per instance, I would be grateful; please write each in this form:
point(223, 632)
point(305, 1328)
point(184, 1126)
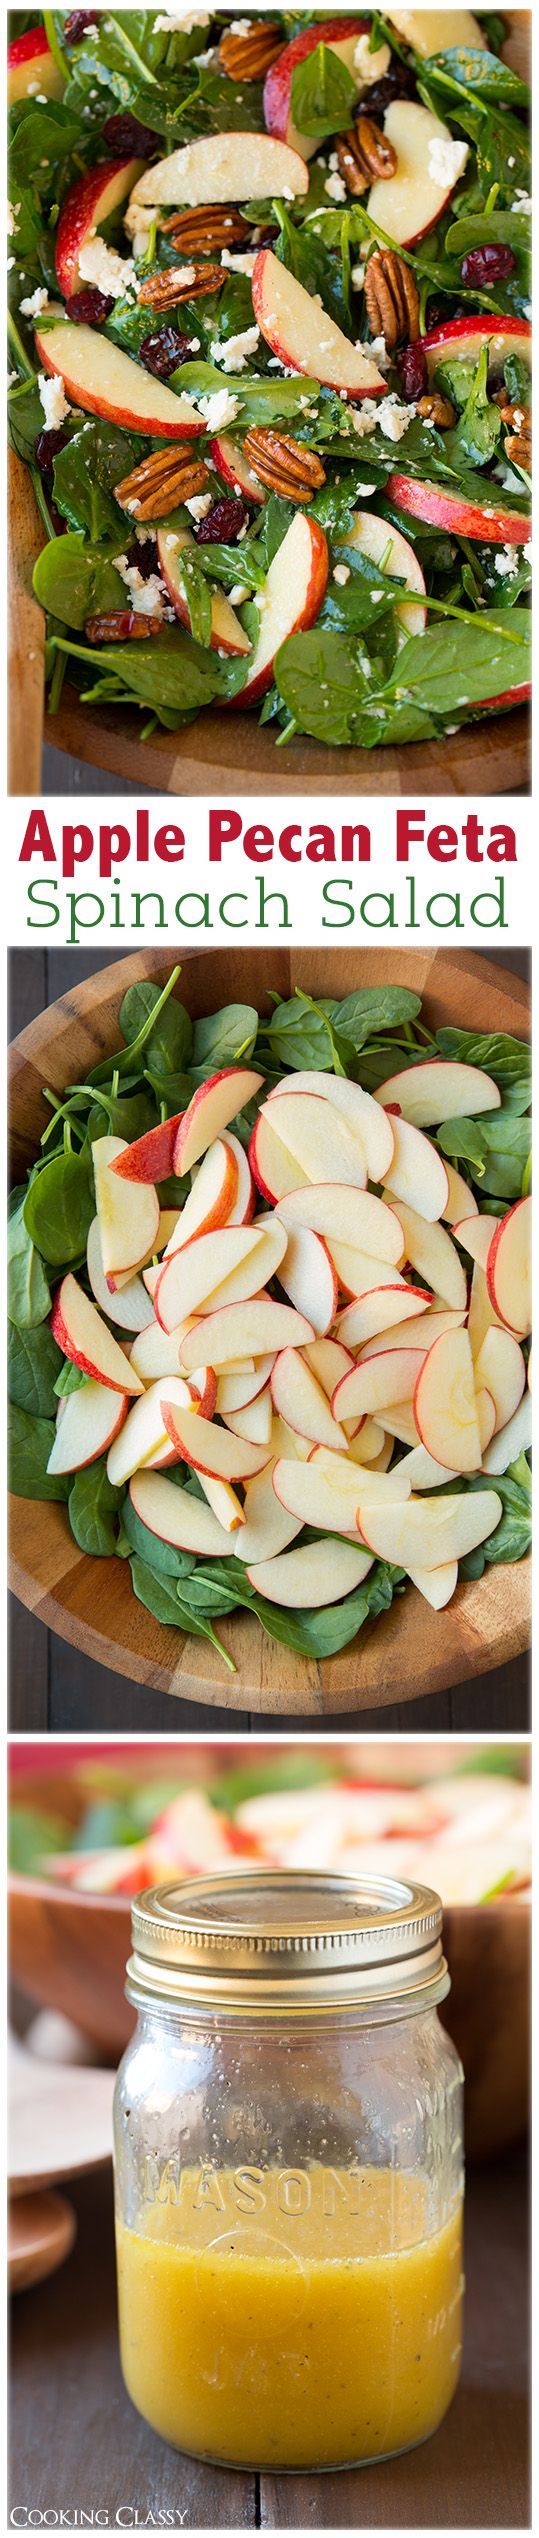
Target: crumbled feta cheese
point(288, 195)
point(11, 262)
point(111, 273)
point(146, 597)
point(370, 66)
point(527, 551)
point(198, 505)
point(54, 403)
point(238, 593)
point(341, 573)
point(240, 26)
point(357, 276)
point(139, 219)
point(447, 159)
point(238, 264)
point(335, 187)
point(12, 378)
point(13, 210)
point(234, 354)
point(522, 202)
point(174, 24)
point(378, 352)
point(33, 307)
point(392, 417)
point(507, 563)
point(218, 409)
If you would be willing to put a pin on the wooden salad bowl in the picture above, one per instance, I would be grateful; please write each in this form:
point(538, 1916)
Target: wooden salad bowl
point(408, 1651)
point(68, 1952)
point(220, 750)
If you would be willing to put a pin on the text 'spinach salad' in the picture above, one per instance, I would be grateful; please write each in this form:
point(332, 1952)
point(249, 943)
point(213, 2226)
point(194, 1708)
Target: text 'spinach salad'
point(270, 363)
point(286, 1365)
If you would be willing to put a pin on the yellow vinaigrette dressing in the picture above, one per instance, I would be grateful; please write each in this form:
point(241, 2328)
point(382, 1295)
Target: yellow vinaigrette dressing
point(289, 2319)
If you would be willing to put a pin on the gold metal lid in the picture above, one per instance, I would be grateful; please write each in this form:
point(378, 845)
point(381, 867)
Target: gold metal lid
point(285, 1938)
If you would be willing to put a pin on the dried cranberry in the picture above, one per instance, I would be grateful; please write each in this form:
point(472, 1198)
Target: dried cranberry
point(146, 557)
point(47, 448)
point(89, 307)
point(223, 524)
point(398, 82)
point(163, 353)
point(487, 264)
point(413, 370)
point(124, 137)
point(76, 24)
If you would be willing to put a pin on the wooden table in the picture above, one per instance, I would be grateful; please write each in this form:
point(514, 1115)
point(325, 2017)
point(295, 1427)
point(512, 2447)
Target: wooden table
point(76, 2443)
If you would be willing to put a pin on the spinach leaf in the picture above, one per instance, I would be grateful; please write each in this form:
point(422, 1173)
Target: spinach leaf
point(30, 1442)
point(322, 1634)
point(44, 136)
point(322, 95)
point(28, 1293)
point(223, 1038)
point(33, 1363)
point(159, 1027)
point(511, 1539)
point(59, 1207)
point(73, 579)
point(93, 1505)
point(464, 66)
point(94, 460)
point(163, 1600)
point(170, 672)
point(508, 1060)
point(373, 1009)
point(300, 1035)
point(455, 665)
point(260, 400)
point(159, 1556)
point(479, 430)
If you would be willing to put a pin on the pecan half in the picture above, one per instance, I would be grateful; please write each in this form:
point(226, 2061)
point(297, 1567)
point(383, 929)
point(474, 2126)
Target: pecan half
point(180, 282)
point(392, 298)
point(363, 154)
point(212, 225)
point(284, 465)
point(164, 479)
point(121, 626)
point(250, 55)
point(437, 409)
point(518, 445)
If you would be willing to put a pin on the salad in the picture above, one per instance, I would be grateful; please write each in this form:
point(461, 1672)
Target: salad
point(270, 355)
point(269, 1298)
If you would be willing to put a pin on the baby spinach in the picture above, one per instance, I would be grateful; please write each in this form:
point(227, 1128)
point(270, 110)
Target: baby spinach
point(73, 579)
point(33, 1364)
point(323, 94)
point(95, 459)
point(511, 1539)
point(30, 1443)
point(224, 1038)
point(93, 1506)
point(59, 1206)
point(507, 1059)
point(28, 1292)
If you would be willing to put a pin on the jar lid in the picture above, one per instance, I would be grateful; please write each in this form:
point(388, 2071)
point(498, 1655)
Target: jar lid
point(275, 1938)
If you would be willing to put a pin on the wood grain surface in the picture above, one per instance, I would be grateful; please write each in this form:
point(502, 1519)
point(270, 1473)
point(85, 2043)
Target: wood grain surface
point(411, 1651)
point(26, 631)
point(77, 2442)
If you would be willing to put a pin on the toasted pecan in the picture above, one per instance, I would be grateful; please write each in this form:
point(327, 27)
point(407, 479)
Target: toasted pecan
point(249, 55)
point(168, 476)
point(436, 409)
point(284, 465)
point(212, 225)
point(180, 282)
point(392, 298)
point(122, 625)
point(364, 153)
point(518, 445)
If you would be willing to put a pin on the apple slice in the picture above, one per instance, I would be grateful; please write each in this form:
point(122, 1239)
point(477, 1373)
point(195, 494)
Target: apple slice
point(212, 1107)
point(268, 1528)
point(105, 381)
point(326, 1491)
point(419, 1333)
point(318, 1573)
point(128, 1211)
point(210, 1199)
point(417, 1171)
point(444, 1403)
point(31, 67)
point(328, 1360)
point(300, 1399)
point(500, 1365)
point(224, 1503)
point(302, 335)
point(131, 1308)
point(475, 1235)
point(443, 507)
point(464, 338)
point(437, 30)
point(377, 1309)
point(244, 1203)
point(341, 35)
point(431, 1252)
point(157, 1352)
point(369, 1444)
point(144, 1437)
point(228, 458)
point(227, 635)
point(437, 1089)
point(481, 1314)
point(398, 1420)
point(379, 1381)
point(411, 202)
point(436, 1585)
point(149, 1158)
point(357, 1271)
point(508, 1271)
point(255, 1421)
point(317, 1137)
point(89, 202)
point(386, 546)
point(289, 601)
point(275, 1171)
point(430, 1531)
point(228, 1259)
point(345, 1215)
point(224, 167)
point(238, 1389)
point(461, 1202)
point(257, 1328)
point(91, 1418)
point(510, 1441)
point(423, 1472)
point(176, 1517)
point(371, 1126)
point(308, 1276)
point(486, 1416)
point(209, 1448)
point(79, 1330)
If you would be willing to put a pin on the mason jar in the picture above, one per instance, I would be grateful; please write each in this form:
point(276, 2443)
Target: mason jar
point(288, 2170)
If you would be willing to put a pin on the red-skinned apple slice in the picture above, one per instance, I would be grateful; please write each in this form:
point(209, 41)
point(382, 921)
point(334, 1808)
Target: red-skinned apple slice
point(317, 1573)
point(464, 338)
point(317, 1138)
point(346, 1215)
point(211, 1199)
point(224, 167)
point(209, 1448)
point(418, 1333)
point(237, 1390)
point(308, 1277)
point(227, 456)
point(304, 337)
point(91, 1418)
point(326, 1491)
point(461, 1202)
point(508, 1271)
point(156, 1352)
point(245, 1329)
point(299, 1399)
point(237, 1259)
point(500, 1365)
point(417, 1171)
point(255, 1421)
point(399, 1422)
point(144, 1438)
point(214, 1104)
point(128, 1211)
point(244, 1203)
point(227, 635)
point(511, 1441)
point(409, 203)
point(376, 1309)
point(328, 1360)
point(431, 1252)
point(423, 1472)
point(475, 1235)
point(269, 1527)
point(486, 1416)
point(444, 1403)
point(341, 35)
point(436, 1585)
point(149, 1158)
point(102, 379)
point(428, 1532)
point(32, 66)
point(380, 1380)
point(437, 30)
point(386, 546)
point(369, 1444)
point(80, 1332)
point(131, 1307)
point(443, 507)
point(176, 1517)
point(90, 201)
point(368, 1124)
point(357, 1271)
point(274, 1170)
point(437, 1089)
point(289, 602)
point(481, 1314)
point(224, 1503)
